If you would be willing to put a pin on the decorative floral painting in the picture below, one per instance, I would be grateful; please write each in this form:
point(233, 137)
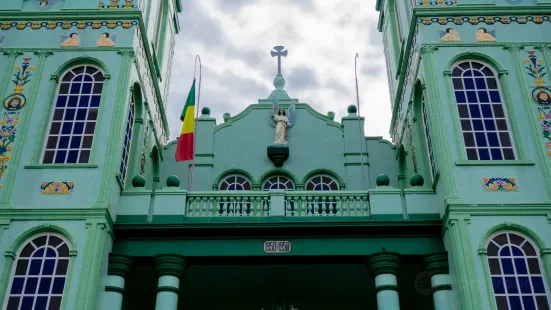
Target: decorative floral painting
point(536, 69)
point(500, 184)
point(57, 188)
point(545, 120)
point(8, 130)
point(22, 76)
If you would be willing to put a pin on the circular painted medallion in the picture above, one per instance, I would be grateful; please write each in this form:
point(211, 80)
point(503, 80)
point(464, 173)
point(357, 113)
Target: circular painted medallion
point(14, 102)
point(542, 95)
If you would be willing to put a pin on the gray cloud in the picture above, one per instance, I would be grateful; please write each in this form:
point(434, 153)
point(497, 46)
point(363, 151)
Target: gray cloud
point(322, 38)
point(301, 78)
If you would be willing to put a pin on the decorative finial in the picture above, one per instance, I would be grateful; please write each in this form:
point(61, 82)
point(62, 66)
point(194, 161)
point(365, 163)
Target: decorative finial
point(279, 51)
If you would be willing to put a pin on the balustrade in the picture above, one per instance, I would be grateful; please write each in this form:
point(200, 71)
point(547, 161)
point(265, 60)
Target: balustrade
point(278, 203)
point(308, 203)
point(228, 204)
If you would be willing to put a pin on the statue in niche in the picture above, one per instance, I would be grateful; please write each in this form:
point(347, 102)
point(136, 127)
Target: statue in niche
point(482, 35)
point(281, 122)
point(450, 35)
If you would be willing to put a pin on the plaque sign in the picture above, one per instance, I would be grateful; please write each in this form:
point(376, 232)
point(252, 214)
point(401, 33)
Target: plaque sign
point(277, 246)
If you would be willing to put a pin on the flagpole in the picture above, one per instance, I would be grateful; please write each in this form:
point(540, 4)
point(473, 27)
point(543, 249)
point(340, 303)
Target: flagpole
point(359, 122)
point(190, 177)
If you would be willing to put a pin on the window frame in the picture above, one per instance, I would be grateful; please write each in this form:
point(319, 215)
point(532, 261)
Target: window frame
point(66, 275)
point(504, 99)
point(52, 110)
point(429, 141)
point(334, 180)
point(127, 147)
point(268, 179)
point(223, 179)
point(515, 275)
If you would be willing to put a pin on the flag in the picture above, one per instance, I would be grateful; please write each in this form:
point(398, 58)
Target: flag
point(185, 148)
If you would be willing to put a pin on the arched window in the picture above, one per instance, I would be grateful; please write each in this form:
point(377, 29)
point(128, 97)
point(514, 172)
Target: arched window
point(482, 112)
point(38, 274)
point(518, 278)
point(127, 139)
point(321, 183)
point(428, 137)
point(235, 183)
point(74, 115)
point(278, 182)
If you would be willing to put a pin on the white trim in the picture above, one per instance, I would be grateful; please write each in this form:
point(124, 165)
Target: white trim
point(516, 276)
point(479, 104)
point(38, 277)
point(73, 122)
point(280, 182)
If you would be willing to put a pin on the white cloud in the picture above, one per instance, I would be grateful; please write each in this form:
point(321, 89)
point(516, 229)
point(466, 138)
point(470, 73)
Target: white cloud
point(322, 37)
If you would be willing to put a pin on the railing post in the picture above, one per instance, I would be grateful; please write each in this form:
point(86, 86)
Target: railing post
point(277, 203)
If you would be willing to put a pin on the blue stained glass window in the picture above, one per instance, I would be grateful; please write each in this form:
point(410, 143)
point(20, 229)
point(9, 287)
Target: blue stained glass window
point(481, 93)
point(127, 139)
point(518, 284)
point(428, 137)
point(35, 288)
point(498, 285)
point(528, 302)
point(74, 92)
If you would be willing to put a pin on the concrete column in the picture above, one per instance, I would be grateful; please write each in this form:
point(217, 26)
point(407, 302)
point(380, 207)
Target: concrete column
point(169, 269)
point(384, 267)
point(437, 267)
point(117, 271)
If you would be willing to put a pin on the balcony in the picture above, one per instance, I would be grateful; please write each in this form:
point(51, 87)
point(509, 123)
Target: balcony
point(173, 205)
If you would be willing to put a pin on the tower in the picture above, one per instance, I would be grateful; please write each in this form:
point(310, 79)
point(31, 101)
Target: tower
point(470, 92)
point(84, 89)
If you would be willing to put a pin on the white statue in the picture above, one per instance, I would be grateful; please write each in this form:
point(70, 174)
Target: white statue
point(282, 122)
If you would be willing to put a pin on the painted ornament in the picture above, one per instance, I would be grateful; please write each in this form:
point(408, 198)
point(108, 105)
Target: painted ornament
point(22, 76)
point(57, 188)
point(73, 40)
point(8, 130)
point(106, 40)
point(483, 35)
point(536, 69)
point(500, 184)
point(450, 35)
point(44, 4)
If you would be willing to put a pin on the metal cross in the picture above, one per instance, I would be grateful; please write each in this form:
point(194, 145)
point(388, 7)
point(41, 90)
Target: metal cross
point(279, 51)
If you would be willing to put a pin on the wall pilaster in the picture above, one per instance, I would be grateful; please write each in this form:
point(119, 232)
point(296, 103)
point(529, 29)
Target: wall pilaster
point(531, 112)
point(24, 127)
point(434, 108)
point(462, 253)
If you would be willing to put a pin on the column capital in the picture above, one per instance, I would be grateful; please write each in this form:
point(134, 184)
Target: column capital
point(428, 49)
point(384, 263)
point(436, 263)
point(170, 265)
point(513, 48)
point(119, 265)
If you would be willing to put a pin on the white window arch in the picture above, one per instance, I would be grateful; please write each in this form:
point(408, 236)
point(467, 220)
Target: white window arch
point(517, 274)
point(39, 274)
point(235, 182)
point(482, 112)
point(321, 183)
point(127, 138)
point(74, 115)
point(278, 182)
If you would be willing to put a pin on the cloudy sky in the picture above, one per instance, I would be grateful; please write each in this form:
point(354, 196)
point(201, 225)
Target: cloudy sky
point(234, 39)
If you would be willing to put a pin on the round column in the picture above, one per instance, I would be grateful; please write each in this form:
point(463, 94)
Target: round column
point(384, 267)
point(117, 270)
point(169, 269)
point(437, 267)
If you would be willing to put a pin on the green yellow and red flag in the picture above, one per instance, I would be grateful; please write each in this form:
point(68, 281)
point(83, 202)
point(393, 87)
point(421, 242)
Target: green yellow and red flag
point(185, 148)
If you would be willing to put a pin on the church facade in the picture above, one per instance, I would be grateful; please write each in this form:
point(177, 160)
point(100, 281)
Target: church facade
point(283, 207)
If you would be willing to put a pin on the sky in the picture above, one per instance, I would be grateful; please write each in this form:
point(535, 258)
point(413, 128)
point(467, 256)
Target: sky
point(234, 39)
